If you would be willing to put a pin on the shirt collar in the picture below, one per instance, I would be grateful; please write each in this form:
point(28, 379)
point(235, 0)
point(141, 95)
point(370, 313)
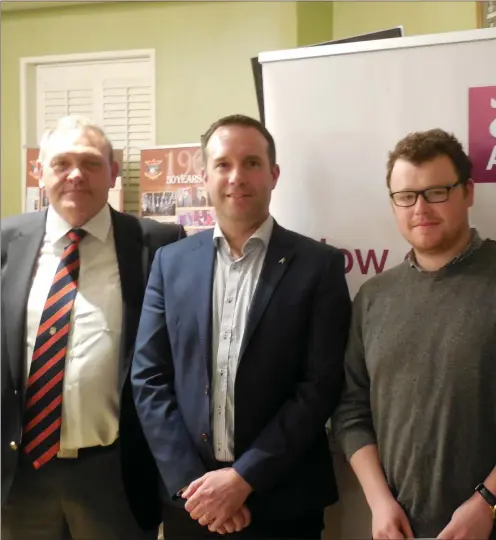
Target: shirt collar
point(263, 234)
point(474, 244)
point(98, 226)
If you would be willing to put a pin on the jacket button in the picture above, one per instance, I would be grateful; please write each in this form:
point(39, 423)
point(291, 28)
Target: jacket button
point(204, 437)
point(16, 392)
point(13, 445)
point(206, 390)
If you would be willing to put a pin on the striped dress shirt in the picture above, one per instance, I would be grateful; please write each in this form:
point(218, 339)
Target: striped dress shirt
point(235, 281)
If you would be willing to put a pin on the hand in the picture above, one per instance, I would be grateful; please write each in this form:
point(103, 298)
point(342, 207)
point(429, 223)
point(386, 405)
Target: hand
point(389, 521)
point(473, 519)
point(240, 520)
point(216, 497)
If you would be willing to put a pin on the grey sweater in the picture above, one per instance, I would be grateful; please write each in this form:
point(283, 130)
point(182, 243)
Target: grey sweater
point(421, 383)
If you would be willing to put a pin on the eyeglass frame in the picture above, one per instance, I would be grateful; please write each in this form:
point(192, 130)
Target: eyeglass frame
point(448, 187)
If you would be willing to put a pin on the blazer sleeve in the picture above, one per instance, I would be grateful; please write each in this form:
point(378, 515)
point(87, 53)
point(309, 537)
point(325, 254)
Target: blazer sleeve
point(152, 380)
point(296, 425)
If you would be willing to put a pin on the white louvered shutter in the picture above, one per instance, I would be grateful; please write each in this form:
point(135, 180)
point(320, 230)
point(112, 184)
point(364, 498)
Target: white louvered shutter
point(118, 95)
point(61, 89)
point(128, 121)
point(57, 103)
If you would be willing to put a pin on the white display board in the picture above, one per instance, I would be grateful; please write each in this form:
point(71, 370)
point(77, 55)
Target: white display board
point(335, 113)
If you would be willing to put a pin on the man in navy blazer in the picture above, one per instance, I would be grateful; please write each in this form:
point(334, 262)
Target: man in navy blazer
point(239, 357)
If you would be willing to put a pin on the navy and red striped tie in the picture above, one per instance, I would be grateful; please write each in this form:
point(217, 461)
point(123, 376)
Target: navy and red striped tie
point(43, 408)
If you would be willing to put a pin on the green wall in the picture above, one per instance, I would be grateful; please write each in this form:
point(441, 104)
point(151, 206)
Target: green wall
point(202, 52)
point(352, 18)
point(203, 68)
point(314, 22)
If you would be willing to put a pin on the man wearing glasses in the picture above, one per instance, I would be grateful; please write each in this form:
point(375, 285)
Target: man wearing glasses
point(417, 418)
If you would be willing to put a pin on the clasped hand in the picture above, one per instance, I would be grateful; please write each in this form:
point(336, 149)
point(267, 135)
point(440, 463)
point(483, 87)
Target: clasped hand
point(217, 501)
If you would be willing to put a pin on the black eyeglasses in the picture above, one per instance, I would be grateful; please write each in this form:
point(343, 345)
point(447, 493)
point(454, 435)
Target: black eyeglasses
point(433, 195)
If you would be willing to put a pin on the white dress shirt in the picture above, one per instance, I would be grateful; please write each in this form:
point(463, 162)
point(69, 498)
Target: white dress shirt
point(235, 281)
point(90, 401)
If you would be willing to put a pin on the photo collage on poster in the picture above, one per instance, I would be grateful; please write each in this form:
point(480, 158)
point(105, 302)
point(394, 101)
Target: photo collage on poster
point(172, 189)
point(36, 198)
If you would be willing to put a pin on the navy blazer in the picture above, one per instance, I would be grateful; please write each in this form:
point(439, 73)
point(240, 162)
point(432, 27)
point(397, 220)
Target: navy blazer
point(136, 241)
point(288, 381)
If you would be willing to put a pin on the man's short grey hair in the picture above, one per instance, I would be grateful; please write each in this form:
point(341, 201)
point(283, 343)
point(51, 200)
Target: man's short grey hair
point(72, 123)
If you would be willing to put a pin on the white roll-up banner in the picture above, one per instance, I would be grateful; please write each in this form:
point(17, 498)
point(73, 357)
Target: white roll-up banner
point(335, 112)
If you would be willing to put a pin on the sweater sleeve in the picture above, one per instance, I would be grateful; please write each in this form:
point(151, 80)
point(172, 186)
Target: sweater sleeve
point(352, 424)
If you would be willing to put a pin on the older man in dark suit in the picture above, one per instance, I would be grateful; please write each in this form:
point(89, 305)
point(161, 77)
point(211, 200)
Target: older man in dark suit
point(75, 464)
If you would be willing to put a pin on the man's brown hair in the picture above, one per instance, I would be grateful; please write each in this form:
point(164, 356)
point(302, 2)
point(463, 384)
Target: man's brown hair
point(244, 121)
point(423, 146)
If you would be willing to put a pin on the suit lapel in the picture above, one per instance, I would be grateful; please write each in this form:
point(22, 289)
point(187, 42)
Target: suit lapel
point(129, 246)
point(277, 260)
point(22, 255)
point(202, 260)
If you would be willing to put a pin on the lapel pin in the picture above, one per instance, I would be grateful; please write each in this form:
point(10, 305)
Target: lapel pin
point(282, 261)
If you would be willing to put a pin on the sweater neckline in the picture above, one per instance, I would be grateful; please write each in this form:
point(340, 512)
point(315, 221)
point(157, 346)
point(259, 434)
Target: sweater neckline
point(449, 269)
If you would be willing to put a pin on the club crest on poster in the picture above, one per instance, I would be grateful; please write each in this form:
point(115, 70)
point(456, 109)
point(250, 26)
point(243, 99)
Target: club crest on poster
point(153, 170)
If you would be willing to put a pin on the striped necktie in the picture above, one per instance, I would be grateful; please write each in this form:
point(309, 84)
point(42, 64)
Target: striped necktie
point(43, 407)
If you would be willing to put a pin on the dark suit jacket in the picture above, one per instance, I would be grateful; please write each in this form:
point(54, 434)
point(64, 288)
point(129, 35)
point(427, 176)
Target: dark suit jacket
point(288, 380)
point(136, 241)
